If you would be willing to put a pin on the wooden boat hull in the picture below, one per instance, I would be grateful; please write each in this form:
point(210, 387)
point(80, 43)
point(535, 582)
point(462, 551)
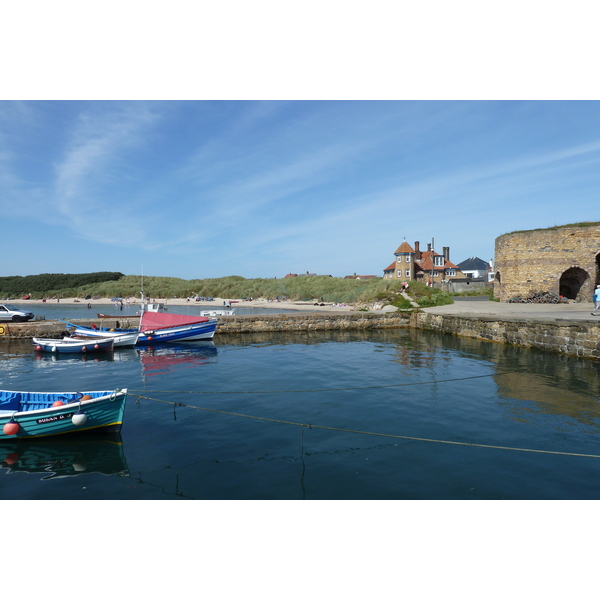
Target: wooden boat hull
point(204, 330)
point(73, 346)
point(120, 340)
point(184, 333)
point(36, 416)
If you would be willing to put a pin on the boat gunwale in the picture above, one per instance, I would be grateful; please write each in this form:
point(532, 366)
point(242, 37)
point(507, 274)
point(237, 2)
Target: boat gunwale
point(112, 396)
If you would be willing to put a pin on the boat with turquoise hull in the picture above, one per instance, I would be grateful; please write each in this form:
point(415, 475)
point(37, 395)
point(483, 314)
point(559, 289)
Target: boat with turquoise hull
point(39, 414)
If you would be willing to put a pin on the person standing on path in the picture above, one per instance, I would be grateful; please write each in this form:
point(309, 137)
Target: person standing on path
point(596, 299)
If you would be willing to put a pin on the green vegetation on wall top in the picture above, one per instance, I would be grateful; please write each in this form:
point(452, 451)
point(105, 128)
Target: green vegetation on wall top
point(555, 227)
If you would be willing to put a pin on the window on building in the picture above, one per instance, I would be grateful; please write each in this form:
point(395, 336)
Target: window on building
point(451, 272)
point(408, 272)
point(438, 261)
point(408, 258)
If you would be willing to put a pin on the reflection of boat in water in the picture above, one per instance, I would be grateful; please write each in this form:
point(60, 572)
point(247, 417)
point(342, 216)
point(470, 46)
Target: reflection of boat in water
point(158, 359)
point(43, 357)
point(65, 457)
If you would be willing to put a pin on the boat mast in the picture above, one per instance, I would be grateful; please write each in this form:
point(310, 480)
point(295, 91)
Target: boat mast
point(143, 306)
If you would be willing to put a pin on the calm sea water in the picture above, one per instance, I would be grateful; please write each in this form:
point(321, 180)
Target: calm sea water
point(67, 309)
point(388, 415)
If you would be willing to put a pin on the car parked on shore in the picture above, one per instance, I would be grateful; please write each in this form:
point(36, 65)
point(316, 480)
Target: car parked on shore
point(8, 312)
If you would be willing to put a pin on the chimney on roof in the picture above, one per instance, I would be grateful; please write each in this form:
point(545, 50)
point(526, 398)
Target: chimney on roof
point(428, 247)
point(417, 251)
point(446, 252)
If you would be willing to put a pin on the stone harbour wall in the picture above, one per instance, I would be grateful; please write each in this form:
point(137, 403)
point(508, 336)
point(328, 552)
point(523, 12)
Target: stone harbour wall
point(573, 338)
point(314, 322)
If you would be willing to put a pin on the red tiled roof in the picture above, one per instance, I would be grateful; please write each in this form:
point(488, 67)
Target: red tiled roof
point(425, 262)
point(404, 248)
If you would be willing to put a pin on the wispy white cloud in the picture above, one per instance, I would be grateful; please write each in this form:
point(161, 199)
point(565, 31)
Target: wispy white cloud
point(305, 180)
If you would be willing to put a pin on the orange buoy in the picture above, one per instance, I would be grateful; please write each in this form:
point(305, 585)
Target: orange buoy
point(12, 458)
point(38, 347)
point(11, 428)
point(83, 349)
point(96, 346)
point(86, 397)
point(58, 403)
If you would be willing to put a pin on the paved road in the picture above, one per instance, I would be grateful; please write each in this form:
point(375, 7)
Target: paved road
point(542, 312)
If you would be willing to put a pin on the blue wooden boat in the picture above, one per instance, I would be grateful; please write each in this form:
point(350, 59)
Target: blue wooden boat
point(38, 414)
point(70, 345)
point(157, 327)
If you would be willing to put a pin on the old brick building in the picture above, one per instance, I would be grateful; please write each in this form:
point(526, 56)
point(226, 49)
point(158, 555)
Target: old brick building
point(564, 260)
point(422, 265)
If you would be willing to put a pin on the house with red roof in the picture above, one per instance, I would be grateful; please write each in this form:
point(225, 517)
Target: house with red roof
point(422, 265)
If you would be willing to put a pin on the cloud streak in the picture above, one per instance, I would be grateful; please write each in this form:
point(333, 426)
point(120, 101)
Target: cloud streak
point(292, 183)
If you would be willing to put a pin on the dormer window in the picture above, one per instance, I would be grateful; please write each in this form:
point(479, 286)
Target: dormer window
point(438, 261)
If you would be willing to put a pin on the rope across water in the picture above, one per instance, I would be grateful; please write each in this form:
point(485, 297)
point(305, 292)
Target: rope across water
point(340, 429)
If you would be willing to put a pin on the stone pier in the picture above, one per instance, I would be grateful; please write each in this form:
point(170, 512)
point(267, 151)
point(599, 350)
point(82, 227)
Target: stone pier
point(571, 333)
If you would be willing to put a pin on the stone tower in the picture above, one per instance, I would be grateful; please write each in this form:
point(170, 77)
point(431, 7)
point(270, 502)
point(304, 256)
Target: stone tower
point(405, 262)
point(564, 260)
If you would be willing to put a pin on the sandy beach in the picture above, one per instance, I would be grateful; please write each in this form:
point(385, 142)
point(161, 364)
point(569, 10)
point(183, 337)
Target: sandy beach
point(216, 303)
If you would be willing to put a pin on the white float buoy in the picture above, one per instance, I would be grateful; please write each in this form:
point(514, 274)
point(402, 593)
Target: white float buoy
point(79, 418)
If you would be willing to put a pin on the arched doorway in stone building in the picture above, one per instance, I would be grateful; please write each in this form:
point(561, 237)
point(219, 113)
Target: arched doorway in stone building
point(571, 282)
point(497, 285)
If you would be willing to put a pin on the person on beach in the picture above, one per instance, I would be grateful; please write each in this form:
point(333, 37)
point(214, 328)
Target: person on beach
point(596, 299)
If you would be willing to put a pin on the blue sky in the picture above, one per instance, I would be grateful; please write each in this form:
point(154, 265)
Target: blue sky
point(258, 139)
point(197, 189)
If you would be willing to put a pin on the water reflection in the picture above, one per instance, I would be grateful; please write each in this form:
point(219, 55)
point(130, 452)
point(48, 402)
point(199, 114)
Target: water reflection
point(118, 355)
point(161, 359)
point(66, 456)
point(531, 380)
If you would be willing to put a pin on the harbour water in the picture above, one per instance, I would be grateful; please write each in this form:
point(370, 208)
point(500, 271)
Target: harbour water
point(67, 309)
point(399, 414)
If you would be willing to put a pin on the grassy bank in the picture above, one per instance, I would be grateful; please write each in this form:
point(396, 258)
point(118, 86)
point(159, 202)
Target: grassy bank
point(321, 288)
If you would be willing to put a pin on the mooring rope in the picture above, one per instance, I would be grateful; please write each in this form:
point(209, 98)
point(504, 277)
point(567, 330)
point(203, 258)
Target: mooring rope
point(343, 389)
point(340, 429)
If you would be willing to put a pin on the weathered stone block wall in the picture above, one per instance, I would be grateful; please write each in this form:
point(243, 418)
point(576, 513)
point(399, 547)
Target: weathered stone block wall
point(313, 322)
point(573, 338)
point(531, 261)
